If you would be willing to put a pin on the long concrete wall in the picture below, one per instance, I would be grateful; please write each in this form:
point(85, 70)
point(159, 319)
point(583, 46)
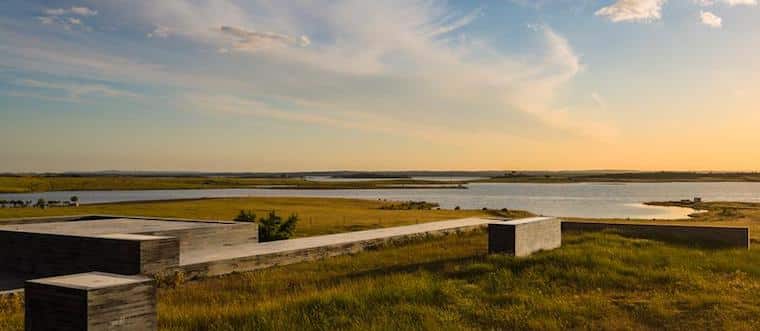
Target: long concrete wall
point(285, 257)
point(705, 235)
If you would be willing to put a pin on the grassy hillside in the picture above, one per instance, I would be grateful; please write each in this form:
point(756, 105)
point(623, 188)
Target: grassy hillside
point(595, 281)
point(318, 215)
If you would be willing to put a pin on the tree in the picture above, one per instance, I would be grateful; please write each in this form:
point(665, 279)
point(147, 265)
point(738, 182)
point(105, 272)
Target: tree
point(273, 228)
point(245, 216)
point(41, 203)
point(74, 199)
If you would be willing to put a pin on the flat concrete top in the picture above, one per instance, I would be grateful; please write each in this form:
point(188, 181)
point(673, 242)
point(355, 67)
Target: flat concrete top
point(107, 226)
point(90, 280)
point(527, 220)
point(253, 249)
point(129, 236)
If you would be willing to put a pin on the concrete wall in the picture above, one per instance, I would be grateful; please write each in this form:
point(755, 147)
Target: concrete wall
point(705, 235)
point(524, 237)
point(47, 255)
point(247, 263)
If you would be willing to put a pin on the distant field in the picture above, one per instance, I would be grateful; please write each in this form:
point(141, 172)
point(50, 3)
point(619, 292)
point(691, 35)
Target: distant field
point(318, 215)
point(595, 281)
point(21, 184)
point(632, 177)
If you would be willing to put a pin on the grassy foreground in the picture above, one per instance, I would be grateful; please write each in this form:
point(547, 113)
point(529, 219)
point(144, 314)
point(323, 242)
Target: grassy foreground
point(595, 281)
point(317, 215)
point(23, 184)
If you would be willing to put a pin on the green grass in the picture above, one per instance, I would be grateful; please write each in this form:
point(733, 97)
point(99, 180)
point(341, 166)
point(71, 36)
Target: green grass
point(317, 215)
point(21, 184)
point(595, 281)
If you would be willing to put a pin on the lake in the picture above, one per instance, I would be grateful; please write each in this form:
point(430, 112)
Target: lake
point(597, 200)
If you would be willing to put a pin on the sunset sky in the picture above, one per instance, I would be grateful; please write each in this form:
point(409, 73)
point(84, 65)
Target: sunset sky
point(224, 85)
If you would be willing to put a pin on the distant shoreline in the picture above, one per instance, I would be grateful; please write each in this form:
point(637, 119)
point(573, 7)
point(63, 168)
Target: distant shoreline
point(52, 183)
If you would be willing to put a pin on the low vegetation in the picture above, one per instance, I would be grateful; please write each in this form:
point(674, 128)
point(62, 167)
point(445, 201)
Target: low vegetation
point(409, 205)
point(272, 227)
point(595, 281)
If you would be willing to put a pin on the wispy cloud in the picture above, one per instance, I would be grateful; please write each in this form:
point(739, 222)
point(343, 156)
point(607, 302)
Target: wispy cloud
point(76, 91)
point(255, 40)
point(67, 17)
point(633, 10)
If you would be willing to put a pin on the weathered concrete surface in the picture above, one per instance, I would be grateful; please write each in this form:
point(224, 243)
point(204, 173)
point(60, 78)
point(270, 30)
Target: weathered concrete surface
point(524, 237)
point(42, 254)
point(719, 236)
point(90, 301)
point(109, 226)
point(262, 255)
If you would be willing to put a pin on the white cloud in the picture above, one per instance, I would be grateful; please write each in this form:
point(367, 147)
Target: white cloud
point(159, 32)
point(79, 11)
point(731, 3)
point(83, 11)
point(711, 19)
point(633, 10)
point(66, 17)
point(254, 40)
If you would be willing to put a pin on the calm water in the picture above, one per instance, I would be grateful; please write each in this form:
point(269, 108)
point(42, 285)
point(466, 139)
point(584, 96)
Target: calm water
point(576, 199)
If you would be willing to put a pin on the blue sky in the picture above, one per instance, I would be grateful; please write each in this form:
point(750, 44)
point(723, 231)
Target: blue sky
point(306, 85)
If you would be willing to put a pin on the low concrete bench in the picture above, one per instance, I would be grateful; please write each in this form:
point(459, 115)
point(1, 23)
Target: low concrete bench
point(524, 236)
point(715, 236)
point(90, 301)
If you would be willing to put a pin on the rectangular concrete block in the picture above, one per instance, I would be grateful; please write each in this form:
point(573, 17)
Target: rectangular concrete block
point(716, 236)
point(524, 236)
point(90, 301)
point(43, 254)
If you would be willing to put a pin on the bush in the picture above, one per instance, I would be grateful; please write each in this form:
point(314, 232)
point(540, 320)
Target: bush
point(245, 216)
point(273, 228)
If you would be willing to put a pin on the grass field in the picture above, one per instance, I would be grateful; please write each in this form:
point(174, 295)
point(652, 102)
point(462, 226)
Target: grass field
point(631, 177)
point(595, 281)
point(22, 184)
point(317, 215)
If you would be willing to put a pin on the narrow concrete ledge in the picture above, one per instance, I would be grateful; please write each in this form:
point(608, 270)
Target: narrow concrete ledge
point(90, 301)
point(715, 236)
point(524, 237)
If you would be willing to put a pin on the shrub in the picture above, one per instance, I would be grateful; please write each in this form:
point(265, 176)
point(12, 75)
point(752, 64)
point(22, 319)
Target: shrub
point(273, 228)
point(245, 216)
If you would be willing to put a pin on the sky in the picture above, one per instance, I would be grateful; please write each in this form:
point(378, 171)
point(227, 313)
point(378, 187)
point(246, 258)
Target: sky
point(223, 85)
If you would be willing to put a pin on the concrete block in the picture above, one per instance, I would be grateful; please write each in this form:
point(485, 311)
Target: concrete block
point(524, 236)
point(714, 236)
point(90, 301)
